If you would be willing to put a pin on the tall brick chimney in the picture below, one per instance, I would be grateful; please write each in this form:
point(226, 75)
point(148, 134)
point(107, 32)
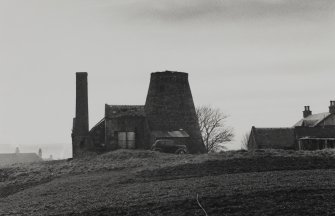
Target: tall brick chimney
point(307, 112)
point(332, 107)
point(169, 107)
point(80, 122)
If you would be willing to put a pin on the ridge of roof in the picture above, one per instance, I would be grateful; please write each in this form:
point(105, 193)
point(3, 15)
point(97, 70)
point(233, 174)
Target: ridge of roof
point(123, 106)
point(113, 111)
point(272, 128)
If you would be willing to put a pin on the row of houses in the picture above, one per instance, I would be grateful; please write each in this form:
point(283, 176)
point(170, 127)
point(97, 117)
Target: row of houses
point(20, 158)
point(312, 132)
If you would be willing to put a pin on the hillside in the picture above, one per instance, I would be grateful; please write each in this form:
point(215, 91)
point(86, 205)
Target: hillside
point(150, 183)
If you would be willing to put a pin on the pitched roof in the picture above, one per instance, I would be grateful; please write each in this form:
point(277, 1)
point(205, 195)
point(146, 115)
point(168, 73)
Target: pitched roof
point(115, 111)
point(97, 125)
point(312, 120)
point(167, 134)
point(276, 138)
point(14, 158)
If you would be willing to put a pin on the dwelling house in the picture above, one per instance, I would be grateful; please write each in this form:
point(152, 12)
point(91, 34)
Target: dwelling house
point(312, 132)
point(19, 158)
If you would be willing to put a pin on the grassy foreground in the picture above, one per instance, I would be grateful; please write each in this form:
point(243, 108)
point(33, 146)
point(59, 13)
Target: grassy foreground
point(150, 183)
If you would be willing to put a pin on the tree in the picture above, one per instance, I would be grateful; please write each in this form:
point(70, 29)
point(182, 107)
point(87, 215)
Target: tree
point(244, 141)
point(213, 129)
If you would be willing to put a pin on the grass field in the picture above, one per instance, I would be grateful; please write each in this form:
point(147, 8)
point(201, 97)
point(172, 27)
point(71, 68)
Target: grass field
point(150, 183)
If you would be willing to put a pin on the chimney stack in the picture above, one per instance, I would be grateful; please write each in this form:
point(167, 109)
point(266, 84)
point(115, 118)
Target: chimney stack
point(332, 107)
point(307, 112)
point(80, 122)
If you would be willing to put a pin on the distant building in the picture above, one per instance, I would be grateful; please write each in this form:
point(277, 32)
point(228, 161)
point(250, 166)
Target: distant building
point(312, 132)
point(18, 158)
point(40, 153)
point(168, 113)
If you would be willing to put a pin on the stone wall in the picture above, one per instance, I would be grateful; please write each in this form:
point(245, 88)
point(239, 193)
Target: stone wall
point(97, 137)
point(330, 121)
point(135, 124)
point(169, 107)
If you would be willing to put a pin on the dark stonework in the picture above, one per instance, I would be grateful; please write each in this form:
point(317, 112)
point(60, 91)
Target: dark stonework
point(169, 107)
point(126, 118)
point(97, 137)
point(80, 122)
point(316, 132)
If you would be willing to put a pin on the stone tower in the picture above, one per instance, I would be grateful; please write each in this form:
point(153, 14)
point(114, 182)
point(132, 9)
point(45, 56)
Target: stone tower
point(169, 107)
point(80, 122)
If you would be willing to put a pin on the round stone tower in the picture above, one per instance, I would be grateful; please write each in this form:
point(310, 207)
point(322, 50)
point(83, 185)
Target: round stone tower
point(169, 107)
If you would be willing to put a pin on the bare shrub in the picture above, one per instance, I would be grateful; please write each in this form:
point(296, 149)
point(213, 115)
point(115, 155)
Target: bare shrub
point(213, 129)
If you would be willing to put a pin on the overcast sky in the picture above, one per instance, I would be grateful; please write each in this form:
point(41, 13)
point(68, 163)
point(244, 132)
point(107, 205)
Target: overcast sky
point(260, 61)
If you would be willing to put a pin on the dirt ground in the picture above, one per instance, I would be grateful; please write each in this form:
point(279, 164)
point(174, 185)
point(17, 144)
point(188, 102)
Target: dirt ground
point(150, 183)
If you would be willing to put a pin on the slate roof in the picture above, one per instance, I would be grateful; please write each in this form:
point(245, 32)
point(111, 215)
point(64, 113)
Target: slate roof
point(99, 124)
point(170, 134)
point(312, 120)
point(15, 158)
point(115, 111)
point(275, 138)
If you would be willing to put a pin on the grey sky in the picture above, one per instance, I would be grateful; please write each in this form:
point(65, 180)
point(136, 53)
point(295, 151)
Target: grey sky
point(227, 10)
point(260, 61)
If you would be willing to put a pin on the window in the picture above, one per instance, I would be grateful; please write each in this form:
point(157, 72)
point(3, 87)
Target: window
point(126, 140)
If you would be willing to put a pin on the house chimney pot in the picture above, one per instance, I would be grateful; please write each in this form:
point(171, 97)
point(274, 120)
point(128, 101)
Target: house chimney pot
point(332, 107)
point(307, 112)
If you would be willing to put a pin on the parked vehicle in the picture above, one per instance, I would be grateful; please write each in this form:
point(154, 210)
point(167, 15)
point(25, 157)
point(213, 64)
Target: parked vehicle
point(169, 146)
